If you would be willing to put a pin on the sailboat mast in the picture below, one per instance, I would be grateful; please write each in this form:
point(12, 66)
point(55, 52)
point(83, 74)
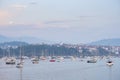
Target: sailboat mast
point(20, 55)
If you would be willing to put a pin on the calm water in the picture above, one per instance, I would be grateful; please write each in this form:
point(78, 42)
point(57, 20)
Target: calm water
point(67, 70)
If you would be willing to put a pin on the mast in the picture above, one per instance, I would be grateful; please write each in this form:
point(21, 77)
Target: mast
point(20, 55)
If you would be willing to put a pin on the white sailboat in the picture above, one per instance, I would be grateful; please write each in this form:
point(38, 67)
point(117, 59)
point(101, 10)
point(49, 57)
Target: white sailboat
point(35, 60)
point(60, 59)
point(9, 59)
point(20, 64)
point(42, 57)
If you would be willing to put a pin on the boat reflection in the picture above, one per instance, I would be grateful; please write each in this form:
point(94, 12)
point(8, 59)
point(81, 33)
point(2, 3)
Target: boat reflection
point(110, 73)
point(21, 75)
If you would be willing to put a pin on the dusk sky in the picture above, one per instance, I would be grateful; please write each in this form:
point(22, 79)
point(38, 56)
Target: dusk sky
point(71, 21)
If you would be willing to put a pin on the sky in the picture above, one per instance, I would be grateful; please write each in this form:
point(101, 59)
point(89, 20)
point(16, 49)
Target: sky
point(69, 21)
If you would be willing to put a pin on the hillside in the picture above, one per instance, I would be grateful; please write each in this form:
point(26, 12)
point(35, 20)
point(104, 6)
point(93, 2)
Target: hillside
point(31, 40)
point(107, 42)
point(13, 43)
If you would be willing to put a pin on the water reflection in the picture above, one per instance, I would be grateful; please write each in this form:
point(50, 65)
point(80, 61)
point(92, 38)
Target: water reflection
point(110, 72)
point(61, 71)
point(21, 75)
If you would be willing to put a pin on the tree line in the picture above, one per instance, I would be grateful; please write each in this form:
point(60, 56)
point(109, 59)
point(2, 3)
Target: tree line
point(50, 50)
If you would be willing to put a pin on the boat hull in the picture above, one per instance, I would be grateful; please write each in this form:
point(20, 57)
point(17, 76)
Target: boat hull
point(52, 60)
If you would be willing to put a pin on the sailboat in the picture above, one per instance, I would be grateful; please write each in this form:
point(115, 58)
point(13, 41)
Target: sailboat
point(53, 59)
point(60, 59)
point(42, 57)
point(35, 60)
point(9, 59)
point(20, 64)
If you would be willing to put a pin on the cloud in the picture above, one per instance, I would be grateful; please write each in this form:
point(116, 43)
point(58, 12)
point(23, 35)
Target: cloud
point(83, 22)
point(4, 16)
point(9, 15)
point(19, 6)
point(33, 3)
point(59, 21)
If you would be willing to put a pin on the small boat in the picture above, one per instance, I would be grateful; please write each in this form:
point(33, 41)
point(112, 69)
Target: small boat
point(73, 58)
point(60, 59)
point(10, 60)
point(53, 59)
point(92, 60)
point(35, 60)
point(19, 65)
point(42, 58)
point(109, 63)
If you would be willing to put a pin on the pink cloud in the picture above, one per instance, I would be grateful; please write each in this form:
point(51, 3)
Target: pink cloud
point(17, 9)
point(18, 6)
point(4, 16)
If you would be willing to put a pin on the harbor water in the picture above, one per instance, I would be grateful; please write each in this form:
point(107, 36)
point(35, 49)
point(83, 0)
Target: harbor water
point(66, 70)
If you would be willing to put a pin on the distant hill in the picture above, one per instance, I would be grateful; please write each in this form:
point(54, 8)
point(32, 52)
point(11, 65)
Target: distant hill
point(107, 42)
point(30, 40)
point(13, 43)
point(3, 39)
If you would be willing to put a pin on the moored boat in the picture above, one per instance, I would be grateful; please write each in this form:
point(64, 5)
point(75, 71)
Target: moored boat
point(10, 60)
point(53, 59)
point(19, 65)
point(60, 59)
point(109, 63)
point(35, 60)
point(92, 60)
point(42, 58)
